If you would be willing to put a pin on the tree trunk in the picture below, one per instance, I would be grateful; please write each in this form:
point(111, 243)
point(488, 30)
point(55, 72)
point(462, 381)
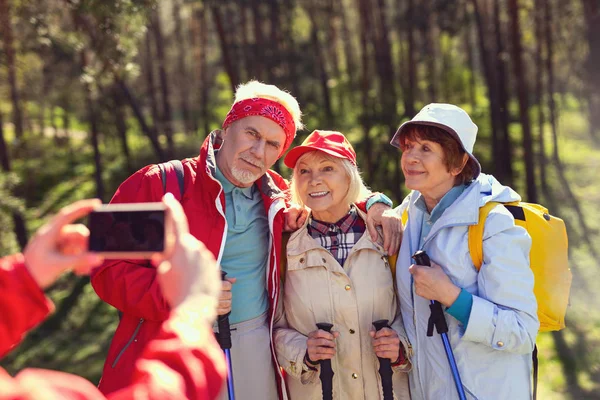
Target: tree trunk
point(150, 83)
point(386, 67)
point(539, 94)
point(258, 39)
point(274, 59)
point(409, 97)
point(247, 52)
point(164, 84)
point(491, 84)
point(592, 65)
point(92, 119)
point(199, 51)
point(522, 91)
point(366, 116)
point(10, 55)
point(333, 38)
point(322, 71)
point(504, 168)
point(43, 100)
point(431, 35)
point(225, 50)
point(349, 53)
point(150, 132)
point(18, 221)
point(182, 75)
point(121, 126)
point(469, 45)
point(204, 74)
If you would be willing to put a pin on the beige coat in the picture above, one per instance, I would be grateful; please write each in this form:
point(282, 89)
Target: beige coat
point(318, 289)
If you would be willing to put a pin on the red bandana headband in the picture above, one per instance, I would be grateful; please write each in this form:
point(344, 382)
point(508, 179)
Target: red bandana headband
point(264, 108)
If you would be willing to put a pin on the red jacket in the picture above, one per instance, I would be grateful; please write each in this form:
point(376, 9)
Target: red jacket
point(182, 362)
point(131, 285)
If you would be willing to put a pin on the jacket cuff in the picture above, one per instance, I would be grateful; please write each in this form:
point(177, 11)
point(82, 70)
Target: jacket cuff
point(404, 363)
point(482, 322)
point(378, 198)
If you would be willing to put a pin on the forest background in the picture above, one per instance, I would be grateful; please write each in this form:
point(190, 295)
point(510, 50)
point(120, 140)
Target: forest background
point(90, 91)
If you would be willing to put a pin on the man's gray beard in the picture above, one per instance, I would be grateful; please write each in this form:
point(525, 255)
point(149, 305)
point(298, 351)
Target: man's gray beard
point(244, 176)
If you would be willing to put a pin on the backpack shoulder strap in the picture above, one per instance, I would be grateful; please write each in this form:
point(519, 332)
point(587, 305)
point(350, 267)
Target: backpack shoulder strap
point(168, 172)
point(476, 235)
point(285, 237)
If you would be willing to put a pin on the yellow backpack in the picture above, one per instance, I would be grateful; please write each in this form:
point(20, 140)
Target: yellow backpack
point(548, 257)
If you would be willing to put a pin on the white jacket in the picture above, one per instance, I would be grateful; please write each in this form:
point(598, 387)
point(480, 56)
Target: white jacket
point(494, 352)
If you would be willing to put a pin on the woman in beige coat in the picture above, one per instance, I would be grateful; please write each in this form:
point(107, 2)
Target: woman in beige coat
point(336, 274)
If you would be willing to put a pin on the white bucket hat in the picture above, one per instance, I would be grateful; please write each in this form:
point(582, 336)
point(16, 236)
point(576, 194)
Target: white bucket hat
point(449, 118)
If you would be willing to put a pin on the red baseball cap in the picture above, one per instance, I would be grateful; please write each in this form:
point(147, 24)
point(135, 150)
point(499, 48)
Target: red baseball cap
point(330, 142)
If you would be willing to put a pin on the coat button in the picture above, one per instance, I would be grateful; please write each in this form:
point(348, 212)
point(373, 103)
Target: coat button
point(302, 260)
point(352, 331)
point(347, 287)
point(500, 344)
point(323, 260)
point(355, 376)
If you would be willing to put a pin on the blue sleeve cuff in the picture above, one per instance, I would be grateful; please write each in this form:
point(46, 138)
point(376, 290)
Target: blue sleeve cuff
point(461, 308)
point(378, 198)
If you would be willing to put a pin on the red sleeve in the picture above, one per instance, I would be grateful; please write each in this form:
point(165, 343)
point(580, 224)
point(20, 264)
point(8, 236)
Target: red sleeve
point(183, 362)
point(130, 285)
point(23, 304)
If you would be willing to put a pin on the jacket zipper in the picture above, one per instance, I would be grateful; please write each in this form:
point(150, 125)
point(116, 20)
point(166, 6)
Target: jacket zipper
point(135, 332)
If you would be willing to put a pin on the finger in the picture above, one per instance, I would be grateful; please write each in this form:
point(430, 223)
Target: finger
point(387, 235)
point(302, 217)
point(412, 269)
point(71, 213)
point(371, 227)
point(324, 335)
point(323, 342)
point(386, 332)
point(225, 296)
point(176, 214)
point(73, 239)
point(88, 262)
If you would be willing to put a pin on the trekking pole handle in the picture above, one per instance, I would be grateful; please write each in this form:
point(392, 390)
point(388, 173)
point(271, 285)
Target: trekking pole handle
point(422, 258)
point(385, 366)
point(326, 374)
point(224, 335)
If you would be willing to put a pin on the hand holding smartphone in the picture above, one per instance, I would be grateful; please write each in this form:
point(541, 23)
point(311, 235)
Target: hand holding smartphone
point(127, 230)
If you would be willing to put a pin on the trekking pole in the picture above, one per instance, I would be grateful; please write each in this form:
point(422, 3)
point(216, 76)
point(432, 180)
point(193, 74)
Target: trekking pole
point(326, 374)
point(385, 366)
point(224, 339)
point(437, 318)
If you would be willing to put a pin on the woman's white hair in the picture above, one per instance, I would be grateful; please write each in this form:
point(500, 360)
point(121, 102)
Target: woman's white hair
point(357, 190)
point(252, 89)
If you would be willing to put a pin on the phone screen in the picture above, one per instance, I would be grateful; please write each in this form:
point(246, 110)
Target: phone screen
point(117, 231)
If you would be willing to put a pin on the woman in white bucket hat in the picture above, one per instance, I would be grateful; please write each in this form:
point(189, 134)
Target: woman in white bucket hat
point(491, 314)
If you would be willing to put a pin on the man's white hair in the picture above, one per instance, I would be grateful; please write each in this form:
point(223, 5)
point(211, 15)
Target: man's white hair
point(252, 89)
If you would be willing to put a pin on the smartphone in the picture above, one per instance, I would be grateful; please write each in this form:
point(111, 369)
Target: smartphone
point(128, 230)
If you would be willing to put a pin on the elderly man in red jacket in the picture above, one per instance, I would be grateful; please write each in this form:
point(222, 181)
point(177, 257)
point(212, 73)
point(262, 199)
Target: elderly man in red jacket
point(235, 205)
point(182, 361)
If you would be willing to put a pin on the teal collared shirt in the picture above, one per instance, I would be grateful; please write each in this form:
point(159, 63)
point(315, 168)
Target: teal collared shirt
point(246, 252)
point(461, 308)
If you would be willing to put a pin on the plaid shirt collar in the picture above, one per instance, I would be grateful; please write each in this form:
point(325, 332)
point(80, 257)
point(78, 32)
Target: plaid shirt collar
point(345, 224)
point(338, 238)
